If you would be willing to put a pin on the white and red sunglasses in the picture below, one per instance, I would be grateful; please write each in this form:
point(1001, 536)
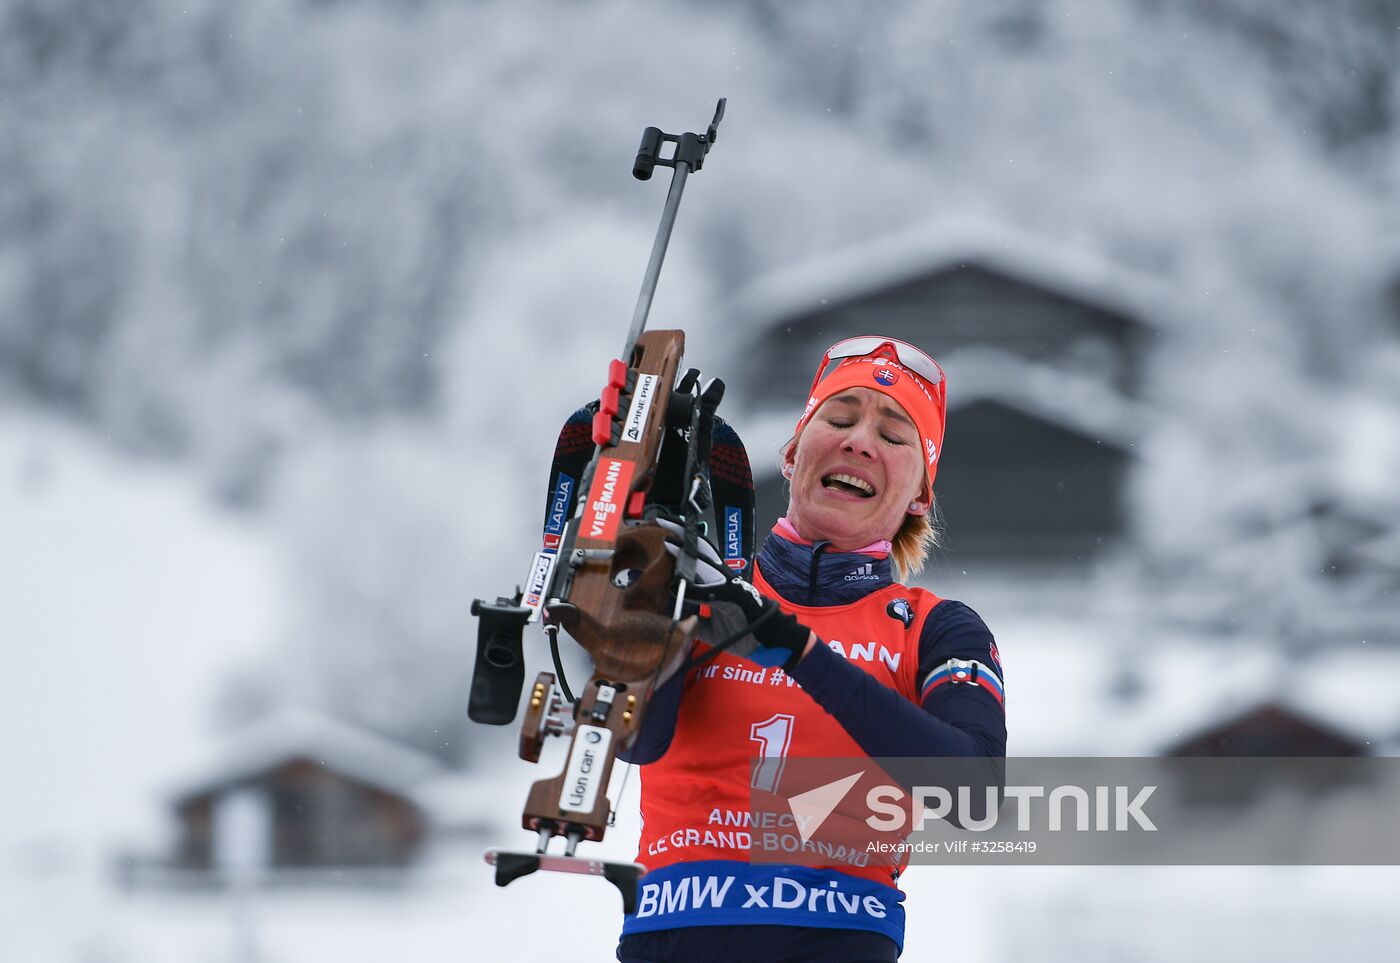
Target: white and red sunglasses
point(909, 357)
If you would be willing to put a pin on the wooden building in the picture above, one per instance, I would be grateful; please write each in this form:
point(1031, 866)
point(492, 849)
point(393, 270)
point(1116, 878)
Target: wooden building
point(1274, 729)
point(299, 792)
point(1045, 351)
point(1269, 728)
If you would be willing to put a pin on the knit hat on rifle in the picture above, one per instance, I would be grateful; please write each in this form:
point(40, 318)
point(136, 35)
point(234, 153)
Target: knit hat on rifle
point(894, 368)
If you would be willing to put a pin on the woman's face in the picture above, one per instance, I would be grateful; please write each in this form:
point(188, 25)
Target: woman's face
point(856, 468)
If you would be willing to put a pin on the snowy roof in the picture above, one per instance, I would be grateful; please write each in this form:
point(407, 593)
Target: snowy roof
point(296, 733)
point(904, 256)
point(1354, 695)
point(1083, 404)
point(1354, 690)
point(1059, 683)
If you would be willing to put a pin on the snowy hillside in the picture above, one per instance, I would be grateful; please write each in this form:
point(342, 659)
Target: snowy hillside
point(295, 294)
point(127, 599)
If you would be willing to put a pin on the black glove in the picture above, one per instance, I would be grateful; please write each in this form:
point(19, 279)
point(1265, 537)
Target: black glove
point(731, 606)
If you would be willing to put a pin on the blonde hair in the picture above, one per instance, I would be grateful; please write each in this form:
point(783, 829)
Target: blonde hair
point(911, 546)
point(917, 537)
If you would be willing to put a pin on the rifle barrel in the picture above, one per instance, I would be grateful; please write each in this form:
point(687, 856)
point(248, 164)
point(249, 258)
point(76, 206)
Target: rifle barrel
point(658, 255)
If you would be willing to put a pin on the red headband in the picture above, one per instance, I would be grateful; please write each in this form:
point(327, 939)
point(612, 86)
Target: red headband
point(926, 404)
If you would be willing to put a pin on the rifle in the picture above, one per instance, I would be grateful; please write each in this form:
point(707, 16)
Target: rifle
point(604, 575)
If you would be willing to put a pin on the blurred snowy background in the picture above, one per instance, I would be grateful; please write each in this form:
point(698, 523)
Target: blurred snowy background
point(294, 295)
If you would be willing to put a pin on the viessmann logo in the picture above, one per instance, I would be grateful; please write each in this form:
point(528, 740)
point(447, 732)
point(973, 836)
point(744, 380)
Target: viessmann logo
point(612, 481)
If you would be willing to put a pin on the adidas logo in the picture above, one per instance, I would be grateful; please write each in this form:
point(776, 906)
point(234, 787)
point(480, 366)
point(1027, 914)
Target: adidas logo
point(863, 573)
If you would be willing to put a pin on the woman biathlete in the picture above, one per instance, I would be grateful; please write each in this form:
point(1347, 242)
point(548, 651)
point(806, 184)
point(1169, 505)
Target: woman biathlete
point(855, 663)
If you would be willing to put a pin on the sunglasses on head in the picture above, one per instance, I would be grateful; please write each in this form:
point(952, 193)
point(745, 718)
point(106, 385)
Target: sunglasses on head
point(906, 354)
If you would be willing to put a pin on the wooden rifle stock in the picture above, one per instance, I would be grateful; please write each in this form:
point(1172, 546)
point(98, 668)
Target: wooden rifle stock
point(617, 599)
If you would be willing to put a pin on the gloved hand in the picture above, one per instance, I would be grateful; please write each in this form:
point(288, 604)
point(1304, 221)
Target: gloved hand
point(729, 605)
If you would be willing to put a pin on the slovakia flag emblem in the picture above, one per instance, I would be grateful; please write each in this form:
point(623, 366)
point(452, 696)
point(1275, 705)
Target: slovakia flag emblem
point(886, 376)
